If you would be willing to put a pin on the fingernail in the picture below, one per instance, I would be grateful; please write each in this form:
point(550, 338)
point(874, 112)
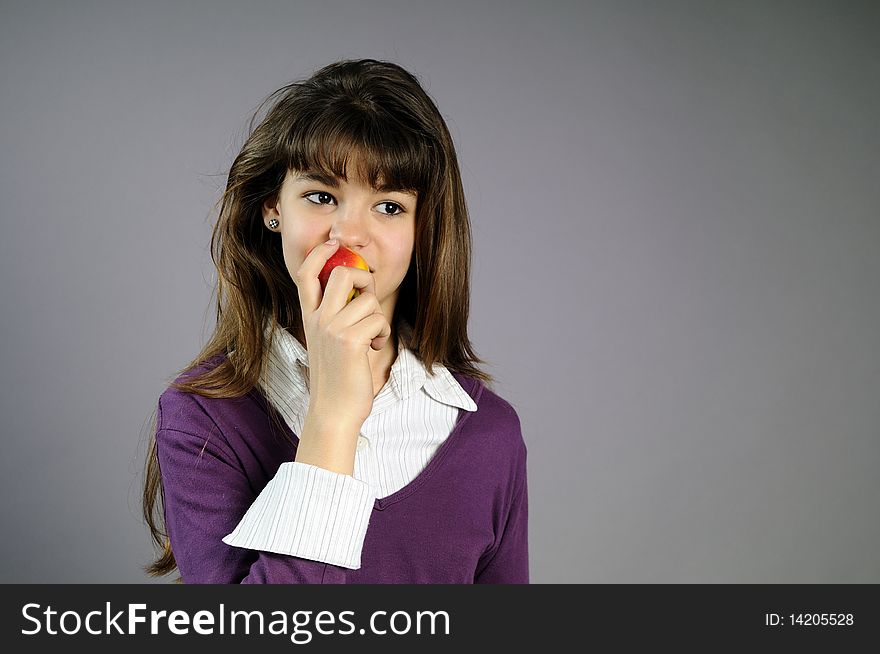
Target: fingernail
point(332, 241)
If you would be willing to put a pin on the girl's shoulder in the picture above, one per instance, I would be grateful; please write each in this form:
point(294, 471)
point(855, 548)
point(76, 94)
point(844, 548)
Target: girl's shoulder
point(181, 410)
point(495, 417)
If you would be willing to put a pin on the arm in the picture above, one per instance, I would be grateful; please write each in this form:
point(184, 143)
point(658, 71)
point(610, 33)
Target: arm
point(309, 512)
point(206, 493)
point(508, 562)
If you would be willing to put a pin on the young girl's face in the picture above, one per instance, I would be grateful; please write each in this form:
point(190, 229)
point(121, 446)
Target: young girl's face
point(378, 225)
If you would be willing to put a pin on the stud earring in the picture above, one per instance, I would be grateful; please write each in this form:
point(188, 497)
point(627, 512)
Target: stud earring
point(273, 223)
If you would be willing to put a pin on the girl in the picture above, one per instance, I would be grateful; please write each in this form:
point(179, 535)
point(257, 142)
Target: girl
point(323, 439)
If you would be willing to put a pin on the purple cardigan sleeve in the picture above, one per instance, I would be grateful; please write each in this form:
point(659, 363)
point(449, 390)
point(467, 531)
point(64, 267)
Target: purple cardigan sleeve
point(205, 493)
point(508, 562)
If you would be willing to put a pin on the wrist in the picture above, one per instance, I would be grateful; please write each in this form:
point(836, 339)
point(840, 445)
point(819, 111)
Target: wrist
point(331, 421)
point(329, 444)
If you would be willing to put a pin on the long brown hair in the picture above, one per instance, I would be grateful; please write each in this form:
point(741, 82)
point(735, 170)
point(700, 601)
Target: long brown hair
point(381, 112)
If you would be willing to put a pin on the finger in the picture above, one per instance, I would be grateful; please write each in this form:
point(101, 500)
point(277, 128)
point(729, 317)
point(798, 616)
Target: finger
point(363, 306)
point(340, 284)
point(308, 286)
point(372, 330)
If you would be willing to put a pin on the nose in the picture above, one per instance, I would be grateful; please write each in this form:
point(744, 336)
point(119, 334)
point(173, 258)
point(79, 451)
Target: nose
point(351, 227)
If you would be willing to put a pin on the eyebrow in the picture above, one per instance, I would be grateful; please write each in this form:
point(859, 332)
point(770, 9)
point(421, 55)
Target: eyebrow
point(333, 182)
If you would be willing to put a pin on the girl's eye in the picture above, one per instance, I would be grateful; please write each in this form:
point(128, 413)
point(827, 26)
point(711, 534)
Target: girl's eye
point(393, 206)
point(320, 194)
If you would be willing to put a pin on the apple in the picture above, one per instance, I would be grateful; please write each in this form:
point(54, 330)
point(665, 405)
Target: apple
point(342, 257)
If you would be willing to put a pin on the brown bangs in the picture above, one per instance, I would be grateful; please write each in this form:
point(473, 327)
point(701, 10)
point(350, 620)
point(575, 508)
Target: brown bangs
point(390, 156)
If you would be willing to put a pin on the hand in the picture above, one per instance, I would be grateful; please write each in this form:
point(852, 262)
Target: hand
point(338, 335)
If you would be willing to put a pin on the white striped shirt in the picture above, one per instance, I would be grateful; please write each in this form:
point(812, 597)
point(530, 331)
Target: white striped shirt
point(318, 514)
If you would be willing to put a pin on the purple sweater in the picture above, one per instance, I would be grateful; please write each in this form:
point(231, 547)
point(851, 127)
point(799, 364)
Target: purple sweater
point(462, 520)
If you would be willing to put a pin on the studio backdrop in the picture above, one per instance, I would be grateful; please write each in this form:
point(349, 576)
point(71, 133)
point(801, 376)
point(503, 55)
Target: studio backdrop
point(674, 208)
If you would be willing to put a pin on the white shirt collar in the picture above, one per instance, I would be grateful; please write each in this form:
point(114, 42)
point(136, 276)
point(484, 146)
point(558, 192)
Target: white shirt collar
point(288, 363)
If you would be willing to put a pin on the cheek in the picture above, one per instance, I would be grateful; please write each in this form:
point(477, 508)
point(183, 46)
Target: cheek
point(407, 252)
point(298, 237)
point(295, 244)
point(292, 258)
point(403, 246)
point(403, 255)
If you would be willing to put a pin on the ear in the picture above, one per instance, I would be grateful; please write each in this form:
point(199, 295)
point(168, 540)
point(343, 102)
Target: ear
point(270, 209)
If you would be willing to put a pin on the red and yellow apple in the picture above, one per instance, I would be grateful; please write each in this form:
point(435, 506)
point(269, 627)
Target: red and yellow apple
point(342, 257)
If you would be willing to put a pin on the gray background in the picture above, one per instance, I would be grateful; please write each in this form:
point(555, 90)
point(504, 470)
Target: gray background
point(674, 208)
